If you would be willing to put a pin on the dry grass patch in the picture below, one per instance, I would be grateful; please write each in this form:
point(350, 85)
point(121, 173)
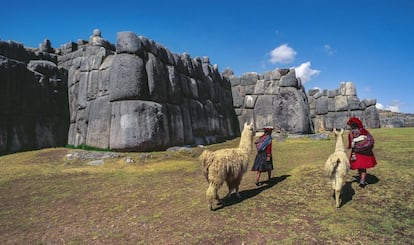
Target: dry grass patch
point(160, 199)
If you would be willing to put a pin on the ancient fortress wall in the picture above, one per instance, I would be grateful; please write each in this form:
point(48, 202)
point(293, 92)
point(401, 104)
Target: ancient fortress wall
point(137, 95)
point(275, 99)
point(33, 99)
point(331, 108)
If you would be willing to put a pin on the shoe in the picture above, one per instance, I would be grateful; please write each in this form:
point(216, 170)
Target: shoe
point(362, 184)
point(258, 183)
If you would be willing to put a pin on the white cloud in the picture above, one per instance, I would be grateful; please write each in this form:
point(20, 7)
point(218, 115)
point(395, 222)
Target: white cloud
point(328, 49)
point(282, 54)
point(379, 106)
point(305, 72)
point(393, 108)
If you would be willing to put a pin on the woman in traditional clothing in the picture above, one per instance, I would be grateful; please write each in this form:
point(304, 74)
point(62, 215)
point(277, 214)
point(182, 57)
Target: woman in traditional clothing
point(263, 161)
point(361, 143)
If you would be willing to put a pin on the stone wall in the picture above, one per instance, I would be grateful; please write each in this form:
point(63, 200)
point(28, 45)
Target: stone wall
point(391, 119)
point(137, 95)
point(331, 108)
point(275, 99)
point(33, 98)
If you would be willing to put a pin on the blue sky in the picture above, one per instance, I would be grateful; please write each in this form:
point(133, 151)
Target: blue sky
point(370, 43)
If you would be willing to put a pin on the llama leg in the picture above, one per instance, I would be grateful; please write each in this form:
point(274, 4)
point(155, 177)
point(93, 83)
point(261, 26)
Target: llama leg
point(235, 187)
point(211, 195)
point(339, 182)
point(230, 191)
point(237, 192)
point(337, 194)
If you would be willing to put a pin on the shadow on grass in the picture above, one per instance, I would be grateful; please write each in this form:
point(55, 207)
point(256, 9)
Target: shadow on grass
point(347, 193)
point(246, 194)
point(372, 179)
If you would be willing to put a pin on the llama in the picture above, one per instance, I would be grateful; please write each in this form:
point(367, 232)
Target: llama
point(337, 166)
point(227, 165)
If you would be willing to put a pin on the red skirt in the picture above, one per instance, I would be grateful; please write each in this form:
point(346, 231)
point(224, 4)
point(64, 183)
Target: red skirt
point(363, 161)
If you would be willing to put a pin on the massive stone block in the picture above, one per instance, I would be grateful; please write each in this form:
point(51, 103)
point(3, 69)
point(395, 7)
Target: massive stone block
point(129, 79)
point(322, 105)
point(128, 42)
point(139, 125)
point(175, 125)
point(99, 123)
point(158, 79)
point(187, 128)
point(48, 133)
point(174, 91)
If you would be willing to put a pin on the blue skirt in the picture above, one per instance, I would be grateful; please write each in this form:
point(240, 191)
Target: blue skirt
point(260, 163)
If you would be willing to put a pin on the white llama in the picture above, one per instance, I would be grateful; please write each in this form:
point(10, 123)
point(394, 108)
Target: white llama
point(227, 165)
point(337, 166)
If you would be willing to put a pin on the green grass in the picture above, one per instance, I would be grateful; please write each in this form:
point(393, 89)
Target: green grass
point(87, 147)
point(160, 199)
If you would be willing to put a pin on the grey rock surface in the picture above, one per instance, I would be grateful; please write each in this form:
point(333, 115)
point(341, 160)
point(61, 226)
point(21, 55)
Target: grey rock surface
point(331, 108)
point(34, 110)
point(276, 98)
point(141, 97)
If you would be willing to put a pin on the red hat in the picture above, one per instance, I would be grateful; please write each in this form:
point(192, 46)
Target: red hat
point(356, 121)
point(267, 128)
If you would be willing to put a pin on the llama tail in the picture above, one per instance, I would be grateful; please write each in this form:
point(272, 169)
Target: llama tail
point(205, 159)
point(331, 165)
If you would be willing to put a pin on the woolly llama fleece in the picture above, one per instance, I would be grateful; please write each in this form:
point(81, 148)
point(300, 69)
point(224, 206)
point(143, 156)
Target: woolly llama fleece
point(227, 165)
point(337, 166)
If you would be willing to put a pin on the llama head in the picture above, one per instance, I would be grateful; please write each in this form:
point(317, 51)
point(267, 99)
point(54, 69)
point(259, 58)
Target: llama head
point(338, 133)
point(248, 130)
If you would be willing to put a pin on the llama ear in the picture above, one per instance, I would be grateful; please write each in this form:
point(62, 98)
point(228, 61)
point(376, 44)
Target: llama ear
point(342, 130)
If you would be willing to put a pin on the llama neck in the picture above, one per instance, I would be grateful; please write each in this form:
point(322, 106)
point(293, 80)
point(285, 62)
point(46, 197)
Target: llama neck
point(339, 143)
point(246, 141)
point(245, 146)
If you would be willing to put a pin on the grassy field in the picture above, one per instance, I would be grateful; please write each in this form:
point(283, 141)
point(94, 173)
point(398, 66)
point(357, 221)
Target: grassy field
point(160, 198)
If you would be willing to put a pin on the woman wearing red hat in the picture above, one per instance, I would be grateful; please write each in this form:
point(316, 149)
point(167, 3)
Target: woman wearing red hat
point(361, 143)
point(263, 161)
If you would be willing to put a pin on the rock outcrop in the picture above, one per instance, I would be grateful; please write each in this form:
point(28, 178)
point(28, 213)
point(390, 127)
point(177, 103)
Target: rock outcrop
point(33, 98)
point(276, 98)
point(137, 95)
point(331, 108)
point(391, 119)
